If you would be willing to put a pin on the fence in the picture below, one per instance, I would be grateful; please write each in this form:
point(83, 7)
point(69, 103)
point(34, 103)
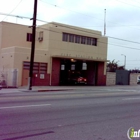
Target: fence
point(8, 77)
point(111, 78)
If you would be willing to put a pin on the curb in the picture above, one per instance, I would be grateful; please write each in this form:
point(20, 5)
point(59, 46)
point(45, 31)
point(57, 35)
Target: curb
point(54, 90)
point(43, 90)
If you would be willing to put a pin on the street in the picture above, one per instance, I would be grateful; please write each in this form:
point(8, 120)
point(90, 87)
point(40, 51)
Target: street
point(84, 113)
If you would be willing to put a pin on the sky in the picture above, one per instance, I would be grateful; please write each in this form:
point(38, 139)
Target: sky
point(122, 21)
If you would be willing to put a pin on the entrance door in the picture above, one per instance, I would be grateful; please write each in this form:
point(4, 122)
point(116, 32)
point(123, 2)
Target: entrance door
point(71, 70)
point(25, 77)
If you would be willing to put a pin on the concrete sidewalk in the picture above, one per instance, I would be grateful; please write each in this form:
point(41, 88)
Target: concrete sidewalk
point(66, 88)
point(47, 88)
point(38, 89)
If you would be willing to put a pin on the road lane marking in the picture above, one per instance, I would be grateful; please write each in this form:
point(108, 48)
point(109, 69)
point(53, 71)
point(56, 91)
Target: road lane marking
point(12, 107)
point(131, 98)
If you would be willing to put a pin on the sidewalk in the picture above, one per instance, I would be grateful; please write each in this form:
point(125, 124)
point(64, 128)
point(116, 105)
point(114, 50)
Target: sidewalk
point(68, 88)
point(46, 88)
point(37, 89)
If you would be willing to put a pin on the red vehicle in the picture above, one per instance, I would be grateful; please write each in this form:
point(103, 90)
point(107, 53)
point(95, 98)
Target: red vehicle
point(79, 80)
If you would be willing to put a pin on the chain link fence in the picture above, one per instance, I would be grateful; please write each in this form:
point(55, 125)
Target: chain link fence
point(8, 77)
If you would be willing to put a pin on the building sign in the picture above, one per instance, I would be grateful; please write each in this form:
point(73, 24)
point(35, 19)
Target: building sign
point(77, 56)
point(42, 76)
point(84, 66)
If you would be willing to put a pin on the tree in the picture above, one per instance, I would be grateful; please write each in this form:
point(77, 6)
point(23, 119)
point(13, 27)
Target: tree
point(112, 66)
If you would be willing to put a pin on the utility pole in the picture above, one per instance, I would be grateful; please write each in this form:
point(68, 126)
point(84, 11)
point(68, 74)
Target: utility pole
point(104, 22)
point(32, 46)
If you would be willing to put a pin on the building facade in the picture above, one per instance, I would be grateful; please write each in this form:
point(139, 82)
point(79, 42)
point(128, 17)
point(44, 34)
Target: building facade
point(61, 52)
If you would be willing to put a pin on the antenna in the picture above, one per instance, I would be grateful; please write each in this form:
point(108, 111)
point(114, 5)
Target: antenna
point(104, 22)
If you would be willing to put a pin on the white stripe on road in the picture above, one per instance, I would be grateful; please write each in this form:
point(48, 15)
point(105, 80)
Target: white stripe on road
point(131, 98)
point(10, 107)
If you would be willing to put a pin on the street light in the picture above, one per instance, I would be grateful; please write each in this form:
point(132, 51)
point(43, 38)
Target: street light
point(124, 60)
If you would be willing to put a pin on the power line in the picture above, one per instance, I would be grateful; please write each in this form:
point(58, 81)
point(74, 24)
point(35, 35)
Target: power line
point(21, 17)
point(113, 26)
point(122, 46)
point(98, 34)
point(136, 1)
point(70, 10)
point(128, 4)
point(85, 14)
point(91, 33)
point(13, 9)
point(124, 40)
point(98, 41)
point(107, 36)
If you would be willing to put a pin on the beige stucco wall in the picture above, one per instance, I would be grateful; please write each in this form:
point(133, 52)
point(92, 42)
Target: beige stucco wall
point(44, 44)
point(79, 51)
point(0, 35)
point(12, 54)
point(7, 58)
point(14, 35)
point(15, 48)
point(63, 49)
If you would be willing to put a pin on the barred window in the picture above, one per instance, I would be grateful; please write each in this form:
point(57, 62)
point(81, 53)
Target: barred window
point(65, 36)
point(77, 38)
point(71, 38)
point(83, 40)
point(88, 40)
point(94, 41)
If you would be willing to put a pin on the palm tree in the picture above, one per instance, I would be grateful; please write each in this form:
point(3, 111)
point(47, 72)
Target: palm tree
point(112, 66)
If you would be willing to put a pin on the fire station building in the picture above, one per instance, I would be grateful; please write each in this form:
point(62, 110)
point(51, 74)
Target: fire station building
point(61, 51)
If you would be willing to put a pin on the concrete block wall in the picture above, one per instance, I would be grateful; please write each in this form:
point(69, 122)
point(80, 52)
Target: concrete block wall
point(133, 78)
point(111, 78)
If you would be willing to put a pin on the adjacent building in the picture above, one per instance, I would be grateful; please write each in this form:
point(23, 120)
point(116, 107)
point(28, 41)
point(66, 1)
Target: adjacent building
point(61, 52)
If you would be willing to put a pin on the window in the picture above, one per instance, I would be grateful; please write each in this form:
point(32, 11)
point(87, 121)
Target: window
point(84, 66)
point(83, 40)
point(88, 41)
point(94, 41)
point(29, 37)
point(72, 67)
point(65, 37)
point(43, 68)
point(26, 65)
point(37, 67)
point(40, 38)
point(62, 67)
point(71, 38)
point(41, 34)
point(77, 39)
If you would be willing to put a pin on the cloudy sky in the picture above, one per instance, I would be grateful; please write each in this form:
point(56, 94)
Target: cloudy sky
point(122, 21)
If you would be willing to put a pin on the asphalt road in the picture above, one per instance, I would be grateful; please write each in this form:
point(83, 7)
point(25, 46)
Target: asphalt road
point(79, 114)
